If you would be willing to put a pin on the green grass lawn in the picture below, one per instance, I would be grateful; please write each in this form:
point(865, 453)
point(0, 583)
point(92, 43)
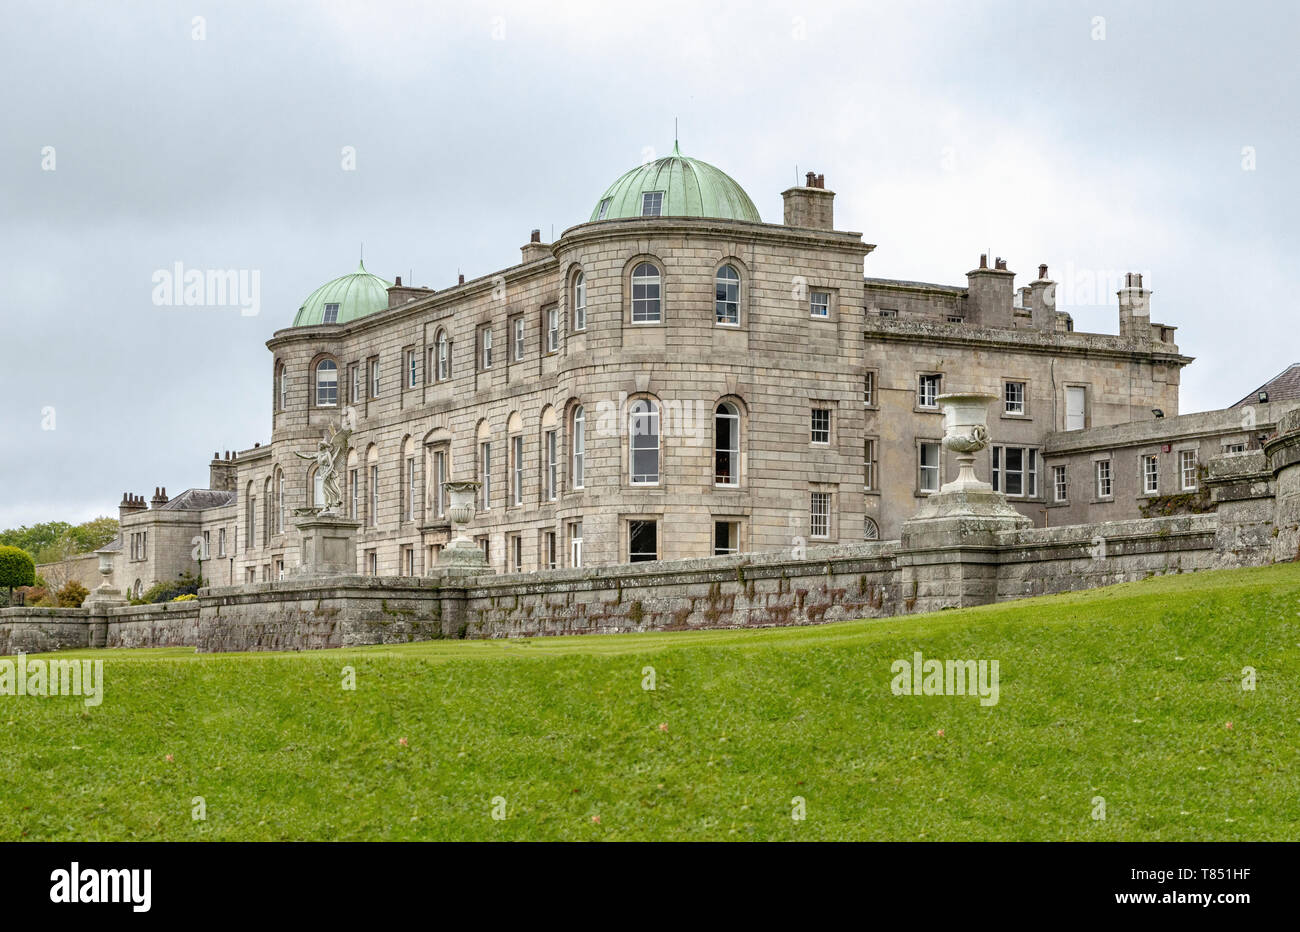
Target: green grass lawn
point(1124, 693)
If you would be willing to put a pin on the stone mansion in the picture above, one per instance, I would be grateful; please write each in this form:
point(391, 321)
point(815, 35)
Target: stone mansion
point(677, 378)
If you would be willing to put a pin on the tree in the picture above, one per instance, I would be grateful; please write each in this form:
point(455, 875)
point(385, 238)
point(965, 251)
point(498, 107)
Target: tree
point(17, 568)
point(72, 594)
point(91, 535)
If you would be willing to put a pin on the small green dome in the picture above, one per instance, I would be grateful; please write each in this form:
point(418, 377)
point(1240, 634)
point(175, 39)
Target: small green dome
point(685, 187)
point(346, 298)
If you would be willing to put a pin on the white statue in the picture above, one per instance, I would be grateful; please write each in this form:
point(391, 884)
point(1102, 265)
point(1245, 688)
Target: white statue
point(329, 457)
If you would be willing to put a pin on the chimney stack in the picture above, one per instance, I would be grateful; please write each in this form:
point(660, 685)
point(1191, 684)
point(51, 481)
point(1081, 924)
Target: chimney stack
point(810, 207)
point(990, 294)
point(462, 279)
point(1042, 301)
point(222, 474)
point(1134, 308)
point(130, 505)
point(535, 249)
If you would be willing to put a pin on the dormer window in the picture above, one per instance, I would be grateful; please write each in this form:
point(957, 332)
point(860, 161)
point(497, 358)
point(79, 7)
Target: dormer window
point(604, 208)
point(331, 314)
point(652, 204)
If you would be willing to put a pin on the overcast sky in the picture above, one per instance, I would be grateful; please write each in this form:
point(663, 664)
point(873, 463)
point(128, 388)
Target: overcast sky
point(945, 129)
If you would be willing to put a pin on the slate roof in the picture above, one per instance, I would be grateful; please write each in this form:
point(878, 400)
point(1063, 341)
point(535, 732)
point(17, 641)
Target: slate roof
point(1285, 386)
point(198, 500)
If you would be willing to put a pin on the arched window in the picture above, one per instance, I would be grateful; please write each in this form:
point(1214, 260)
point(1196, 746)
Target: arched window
point(327, 384)
point(646, 304)
point(444, 356)
point(580, 302)
point(281, 388)
point(727, 297)
point(279, 501)
point(579, 445)
point(726, 445)
point(643, 442)
point(870, 530)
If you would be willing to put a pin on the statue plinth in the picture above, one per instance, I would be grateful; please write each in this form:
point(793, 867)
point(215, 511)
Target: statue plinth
point(329, 546)
point(462, 556)
point(965, 433)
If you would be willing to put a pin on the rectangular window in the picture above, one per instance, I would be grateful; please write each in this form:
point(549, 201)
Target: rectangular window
point(519, 338)
point(354, 483)
point(408, 560)
point(354, 373)
point(516, 544)
point(485, 343)
point(517, 470)
point(821, 425)
point(652, 204)
point(888, 313)
point(221, 542)
point(1015, 471)
point(1076, 397)
point(819, 304)
point(1150, 474)
point(410, 488)
point(1059, 486)
point(575, 543)
point(552, 465)
point(553, 330)
point(643, 444)
point(643, 541)
point(485, 473)
point(726, 538)
point(550, 549)
point(928, 463)
point(372, 562)
point(819, 520)
point(869, 388)
point(1187, 469)
point(331, 314)
point(374, 378)
point(1104, 488)
point(374, 496)
point(927, 391)
point(1234, 448)
point(579, 447)
point(869, 464)
point(1013, 398)
point(412, 368)
point(440, 483)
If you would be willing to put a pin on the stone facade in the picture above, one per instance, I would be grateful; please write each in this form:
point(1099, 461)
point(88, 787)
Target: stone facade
point(827, 376)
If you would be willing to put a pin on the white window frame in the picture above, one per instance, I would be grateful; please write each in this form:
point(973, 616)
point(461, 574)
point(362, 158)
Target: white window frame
point(444, 356)
point(731, 417)
point(1187, 464)
point(575, 544)
point(726, 296)
point(929, 386)
point(517, 474)
point(870, 464)
point(647, 310)
point(869, 388)
point(485, 474)
point(1027, 473)
point(1013, 397)
point(374, 496)
point(552, 446)
point(819, 305)
point(412, 368)
point(553, 330)
point(1104, 479)
point(410, 488)
point(520, 329)
point(814, 431)
point(485, 347)
point(1150, 463)
point(330, 318)
point(327, 392)
point(637, 415)
point(578, 441)
point(652, 203)
point(374, 378)
point(1060, 483)
point(440, 482)
point(819, 515)
point(933, 470)
point(580, 301)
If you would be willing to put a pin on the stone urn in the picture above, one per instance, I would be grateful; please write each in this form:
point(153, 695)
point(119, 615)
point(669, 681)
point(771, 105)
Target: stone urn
point(965, 433)
point(461, 556)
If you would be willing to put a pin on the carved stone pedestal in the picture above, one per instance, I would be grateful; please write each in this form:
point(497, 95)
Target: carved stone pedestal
point(329, 546)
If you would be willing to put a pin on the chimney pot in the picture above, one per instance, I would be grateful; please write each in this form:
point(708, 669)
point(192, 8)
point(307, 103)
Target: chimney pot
point(1042, 271)
point(399, 281)
point(536, 237)
point(984, 260)
point(810, 179)
point(462, 279)
point(821, 181)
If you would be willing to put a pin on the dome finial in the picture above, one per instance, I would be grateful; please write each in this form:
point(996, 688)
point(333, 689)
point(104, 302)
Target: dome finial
point(361, 263)
point(676, 151)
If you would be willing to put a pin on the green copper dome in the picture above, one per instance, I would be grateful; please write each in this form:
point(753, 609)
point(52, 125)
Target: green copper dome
point(344, 299)
point(677, 187)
